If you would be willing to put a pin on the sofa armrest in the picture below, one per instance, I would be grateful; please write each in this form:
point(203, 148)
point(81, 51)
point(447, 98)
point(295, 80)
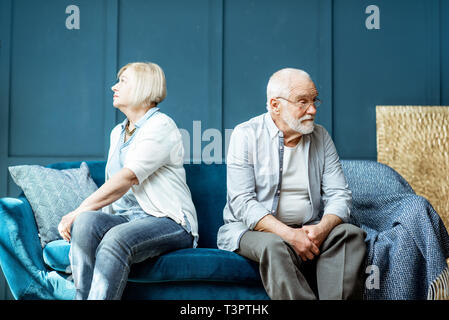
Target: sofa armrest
point(21, 255)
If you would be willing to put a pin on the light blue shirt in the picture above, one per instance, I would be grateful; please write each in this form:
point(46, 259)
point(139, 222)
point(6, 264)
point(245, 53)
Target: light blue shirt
point(254, 177)
point(127, 204)
point(155, 149)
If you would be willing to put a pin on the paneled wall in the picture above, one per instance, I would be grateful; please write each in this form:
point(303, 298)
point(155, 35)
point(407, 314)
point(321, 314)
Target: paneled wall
point(399, 64)
point(56, 101)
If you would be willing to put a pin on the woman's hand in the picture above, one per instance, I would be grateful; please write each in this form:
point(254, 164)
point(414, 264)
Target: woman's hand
point(109, 192)
point(65, 225)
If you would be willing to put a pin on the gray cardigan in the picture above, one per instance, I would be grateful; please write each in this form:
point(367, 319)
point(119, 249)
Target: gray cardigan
point(254, 173)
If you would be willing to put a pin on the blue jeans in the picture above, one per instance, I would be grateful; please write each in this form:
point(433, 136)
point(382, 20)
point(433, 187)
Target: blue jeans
point(103, 247)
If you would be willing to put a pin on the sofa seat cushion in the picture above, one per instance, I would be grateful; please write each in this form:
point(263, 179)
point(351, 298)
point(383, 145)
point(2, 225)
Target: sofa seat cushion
point(199, 264)
point(56, 255)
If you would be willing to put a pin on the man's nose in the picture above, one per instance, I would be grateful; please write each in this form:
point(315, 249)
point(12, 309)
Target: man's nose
point(311, 109)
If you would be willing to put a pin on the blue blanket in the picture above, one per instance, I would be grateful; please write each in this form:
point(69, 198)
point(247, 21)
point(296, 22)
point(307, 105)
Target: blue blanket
point(407, 241)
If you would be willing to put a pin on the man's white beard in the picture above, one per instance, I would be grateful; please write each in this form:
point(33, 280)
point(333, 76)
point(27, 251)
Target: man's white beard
point(296, 124)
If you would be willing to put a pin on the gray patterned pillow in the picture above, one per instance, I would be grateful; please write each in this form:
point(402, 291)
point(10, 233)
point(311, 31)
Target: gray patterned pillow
point(52, 194)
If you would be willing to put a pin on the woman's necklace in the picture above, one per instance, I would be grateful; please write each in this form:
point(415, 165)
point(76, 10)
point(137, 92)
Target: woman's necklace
point(130, 133)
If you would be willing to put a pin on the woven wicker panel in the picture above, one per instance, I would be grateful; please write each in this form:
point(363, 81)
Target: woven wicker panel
point(414, 140)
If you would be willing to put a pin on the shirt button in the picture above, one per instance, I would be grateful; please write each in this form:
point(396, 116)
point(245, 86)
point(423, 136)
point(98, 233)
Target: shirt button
point(280, 169)
point(278, 192)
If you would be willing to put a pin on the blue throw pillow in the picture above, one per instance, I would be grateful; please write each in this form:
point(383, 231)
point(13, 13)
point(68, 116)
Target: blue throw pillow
point(52, 194)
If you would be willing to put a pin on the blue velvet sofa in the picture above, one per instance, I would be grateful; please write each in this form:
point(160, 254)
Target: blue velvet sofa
point(406, 240)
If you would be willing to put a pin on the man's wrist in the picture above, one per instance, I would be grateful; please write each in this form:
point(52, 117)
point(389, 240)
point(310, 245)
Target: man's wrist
point(329, 221)
point(287, 234)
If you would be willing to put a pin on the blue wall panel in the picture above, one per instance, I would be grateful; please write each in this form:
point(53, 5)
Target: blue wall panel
point(57, 76)
point(177, 35)
point(395, 65)
point(444, 56)
point(261, 37)
point(5, 41)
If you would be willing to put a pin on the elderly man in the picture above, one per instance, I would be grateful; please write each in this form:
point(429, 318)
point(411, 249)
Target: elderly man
point(280, 166)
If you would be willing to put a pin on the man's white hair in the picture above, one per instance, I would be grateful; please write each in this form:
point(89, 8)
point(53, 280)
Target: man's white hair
point(279, 83)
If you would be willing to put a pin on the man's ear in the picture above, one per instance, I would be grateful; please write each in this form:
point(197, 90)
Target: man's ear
point(275, 105)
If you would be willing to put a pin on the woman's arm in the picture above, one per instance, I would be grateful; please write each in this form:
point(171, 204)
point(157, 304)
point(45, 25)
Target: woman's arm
point(109, 192)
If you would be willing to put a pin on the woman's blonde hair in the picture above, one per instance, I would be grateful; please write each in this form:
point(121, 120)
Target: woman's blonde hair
point(149, 83)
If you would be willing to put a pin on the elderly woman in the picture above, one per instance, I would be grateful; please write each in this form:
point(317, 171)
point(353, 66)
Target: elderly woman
point(144, 208)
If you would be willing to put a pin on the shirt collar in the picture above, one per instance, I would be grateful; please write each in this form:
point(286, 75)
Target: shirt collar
point(273, 130)
point(142, 120)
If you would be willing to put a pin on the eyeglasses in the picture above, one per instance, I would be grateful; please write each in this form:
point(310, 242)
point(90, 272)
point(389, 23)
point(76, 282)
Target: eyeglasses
point(303, 105)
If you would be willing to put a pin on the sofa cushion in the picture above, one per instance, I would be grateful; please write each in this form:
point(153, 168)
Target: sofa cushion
point(96, 168)
point(207, 184)
point(52, 194)
point(56, 255)
point(200, 264)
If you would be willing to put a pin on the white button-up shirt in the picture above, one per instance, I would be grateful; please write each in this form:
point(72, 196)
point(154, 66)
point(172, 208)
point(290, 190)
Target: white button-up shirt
point(254, 177)
point(156, 158)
